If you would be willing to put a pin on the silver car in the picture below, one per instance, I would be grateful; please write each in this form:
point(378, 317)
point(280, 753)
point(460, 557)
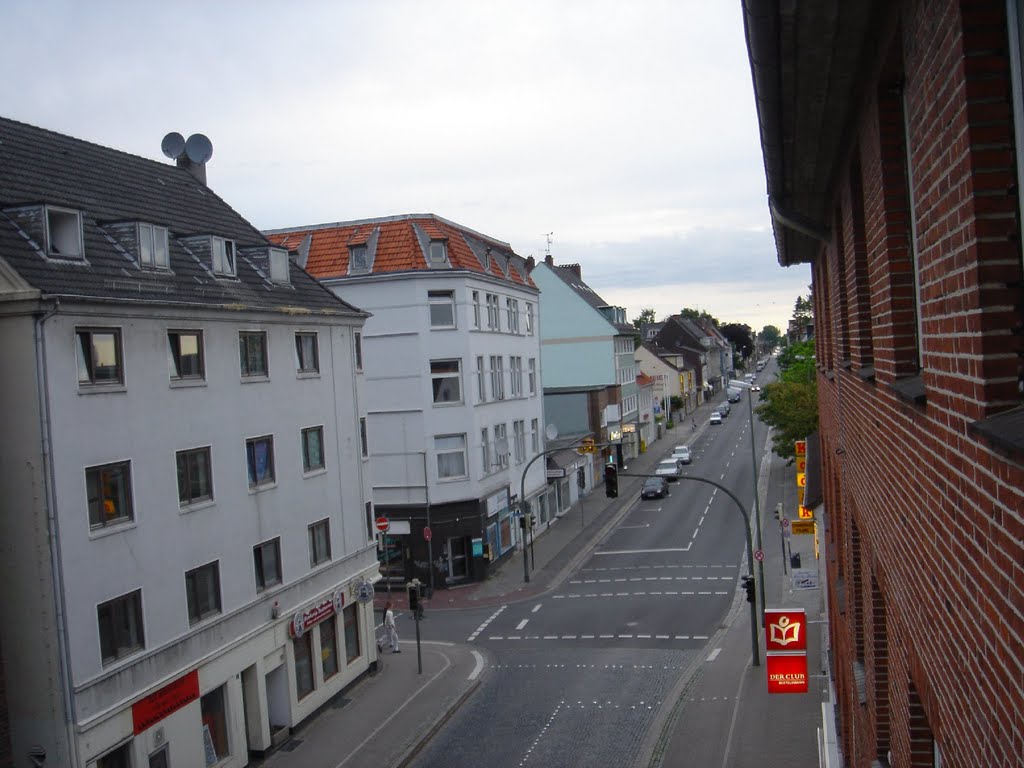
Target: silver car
point(670, 469)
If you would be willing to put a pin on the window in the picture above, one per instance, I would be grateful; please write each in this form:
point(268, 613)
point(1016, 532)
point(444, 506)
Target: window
point(358, 344)
point(312, 449)
point(438, 252)
point(451, 456)
point(515, 365)
point(497, 378)
point(364, 443)
point(307, 354)
point(446, 380)
point(371, 529)
point(118, 758)
point(185, 351)
point(159, 759)
point(476, 309)
point(485, 450)
point(267, 561)
point(481, 379)
point(357, 257)
point(259, 454)
point(319, 542)
point(519, 440)
point(195, 478)
point(109, 493)
point(535, 435)
point(98, 353)
point(202, 592)
point(512, 308)
point(501, 444)
point(303, 647)
point(64, 233)
point(153, 246)
point(529, 319)
point(351, 620)
point(532, 363)
point(223, 256)
point(252, 352)
point(493, 316)
point(120, 624)
point(279, 272)
point(214, 716)
point(329, 647)
point(442, 309)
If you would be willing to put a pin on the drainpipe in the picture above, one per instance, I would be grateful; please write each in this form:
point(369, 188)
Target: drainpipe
point(57, 572)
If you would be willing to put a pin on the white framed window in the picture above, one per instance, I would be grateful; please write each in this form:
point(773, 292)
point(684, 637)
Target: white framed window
point(532, 375)
point(442, 309)
point(252, 354)
point(515, 365)
point(223, 254)
point(446, 381)
point(451, 456)
point(493, 313)
point(319, 542)
point(266, 560)
point(64, 233)
point(364, 442)
point(501, 447)
point(185, 355)
point(121, 627)
point(357, 256)
point(519, 440)
point(529, 318)
point(279, 272)
point(481, 379)
point(438, 251)
point(313, 449)
point(259, 455)
point(98, 356)
point(153, 246)
point(195, 476)
point(476, 309)
point(307, 352)
point(497, 377)
point(202, 592)
point(535, 435)
point(512, 310)
point(109, 494)
point(485, 450)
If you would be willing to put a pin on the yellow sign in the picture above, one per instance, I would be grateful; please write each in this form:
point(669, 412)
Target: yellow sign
point(805, 513)
point(587, 446)
point(801, 465)
point(800, 448)
point(802, 526)
point(800, 496)
point(801, 479)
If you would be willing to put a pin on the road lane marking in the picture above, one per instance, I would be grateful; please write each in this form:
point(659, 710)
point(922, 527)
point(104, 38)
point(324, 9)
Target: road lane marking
point(536, 608)
point(643, 551)
point(522, 624)
point(479, 665)
point(714, 654)
point(483, 626)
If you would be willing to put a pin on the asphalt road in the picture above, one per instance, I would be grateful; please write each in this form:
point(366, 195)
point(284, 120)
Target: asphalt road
point(580, 675)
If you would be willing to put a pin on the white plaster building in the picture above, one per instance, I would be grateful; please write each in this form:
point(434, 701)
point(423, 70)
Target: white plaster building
point(185, 517)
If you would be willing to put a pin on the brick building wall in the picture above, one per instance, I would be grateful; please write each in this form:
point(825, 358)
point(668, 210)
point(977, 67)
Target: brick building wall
point(926, 518)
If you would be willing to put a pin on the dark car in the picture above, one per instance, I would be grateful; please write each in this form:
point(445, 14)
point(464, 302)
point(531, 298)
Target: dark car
point(654, 488)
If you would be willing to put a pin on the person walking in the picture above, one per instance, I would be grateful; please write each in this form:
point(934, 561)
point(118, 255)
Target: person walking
point(390, 632)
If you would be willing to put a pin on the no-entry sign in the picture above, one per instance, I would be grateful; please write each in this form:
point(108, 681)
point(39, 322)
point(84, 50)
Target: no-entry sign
point(383, 524)
point(427, 533)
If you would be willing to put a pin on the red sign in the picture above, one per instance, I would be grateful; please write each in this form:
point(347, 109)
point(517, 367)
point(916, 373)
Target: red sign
point(785, 629)
point(787, 673)
point(302, 621)
point(427, 533)
point(383, 524)
point(151, 710)
point(800, 448)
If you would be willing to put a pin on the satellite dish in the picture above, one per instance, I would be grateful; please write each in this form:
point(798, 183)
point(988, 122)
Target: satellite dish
point(501, 446)
point(173, 145)
point(198, 148)
point(551, 431)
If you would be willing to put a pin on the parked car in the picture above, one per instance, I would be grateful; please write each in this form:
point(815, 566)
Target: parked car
point(670, 469)
point(716, 417)
point(724, 408)
point(682, 453)
point(654, 488)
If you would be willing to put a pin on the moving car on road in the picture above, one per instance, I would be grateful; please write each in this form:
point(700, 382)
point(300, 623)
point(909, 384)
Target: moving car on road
point(654, 488)
point(682, 453)
point(724, 408)
point(670, 469)
point(716, 417)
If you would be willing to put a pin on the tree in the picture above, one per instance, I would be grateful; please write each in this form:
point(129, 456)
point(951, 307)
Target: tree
point(770, 337)
point(741, 337)
point(646, 316)
point(790, 405)
point(803, 312)
point(698, 314)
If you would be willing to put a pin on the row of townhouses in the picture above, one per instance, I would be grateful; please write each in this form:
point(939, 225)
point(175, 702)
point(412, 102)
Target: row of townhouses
point(211, 420)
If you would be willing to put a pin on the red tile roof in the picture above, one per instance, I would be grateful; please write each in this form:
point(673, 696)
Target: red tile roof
point(398, 248)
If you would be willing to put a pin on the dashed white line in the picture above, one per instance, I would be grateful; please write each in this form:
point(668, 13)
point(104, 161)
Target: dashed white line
point(522, 624)
point(536, 608)
point(714, 654)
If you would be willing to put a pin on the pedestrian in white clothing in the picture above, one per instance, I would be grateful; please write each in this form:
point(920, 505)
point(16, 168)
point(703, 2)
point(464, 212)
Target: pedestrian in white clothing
point(390, 633)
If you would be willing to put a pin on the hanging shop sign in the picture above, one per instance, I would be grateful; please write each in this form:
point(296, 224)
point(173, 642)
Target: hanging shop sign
point(787, 673)
point(304, 620)
point(785, 629)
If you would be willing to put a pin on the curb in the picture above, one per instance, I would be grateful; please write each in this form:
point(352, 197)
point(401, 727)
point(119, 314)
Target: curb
point(414, 749)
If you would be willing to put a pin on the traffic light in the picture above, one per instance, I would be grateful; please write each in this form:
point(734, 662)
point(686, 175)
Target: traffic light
point(414, 597)
point(611, 481)
point(748, 584)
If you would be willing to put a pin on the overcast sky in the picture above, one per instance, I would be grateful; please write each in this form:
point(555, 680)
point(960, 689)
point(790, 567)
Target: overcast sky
point(625, 128)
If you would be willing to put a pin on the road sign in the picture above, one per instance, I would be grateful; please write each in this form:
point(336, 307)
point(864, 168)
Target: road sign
point(785, 522)
point(803, 526)
point(383, 524)
point(427, 533)
point(759, 555)
point(587, 446)
point(801, 479)
point(805, 513)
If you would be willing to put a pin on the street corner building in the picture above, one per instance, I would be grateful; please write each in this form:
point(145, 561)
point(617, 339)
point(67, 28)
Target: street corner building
point(893, 141)
point(186, 517)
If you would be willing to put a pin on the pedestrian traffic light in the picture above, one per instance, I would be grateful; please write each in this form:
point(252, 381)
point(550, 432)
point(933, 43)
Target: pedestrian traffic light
point(748, 584)
point(611, 481)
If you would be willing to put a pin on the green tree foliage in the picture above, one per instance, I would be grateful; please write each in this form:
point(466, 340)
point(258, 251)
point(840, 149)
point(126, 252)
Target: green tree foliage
point(741, 337)
point(646, 316)
point(770, 337)
point(804, 309)
point(790, 405)
point(697, 314)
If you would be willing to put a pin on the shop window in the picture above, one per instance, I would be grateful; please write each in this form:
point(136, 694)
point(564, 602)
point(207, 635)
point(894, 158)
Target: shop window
point(119, 758)
point(213, 710)
point(351, 619)
point(161, 758)
point(329, 648)
point(304, 665)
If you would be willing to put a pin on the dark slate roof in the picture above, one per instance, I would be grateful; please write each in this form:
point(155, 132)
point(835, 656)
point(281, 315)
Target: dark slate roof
point(109, 187)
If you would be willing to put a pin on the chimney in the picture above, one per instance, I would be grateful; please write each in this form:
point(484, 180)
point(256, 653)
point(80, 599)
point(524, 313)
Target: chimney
point(530, 263)
point(576, 270)
point(192, 155)
point(549, 260)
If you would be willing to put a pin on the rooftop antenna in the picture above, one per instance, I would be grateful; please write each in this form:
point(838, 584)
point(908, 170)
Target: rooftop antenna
point(548, 236)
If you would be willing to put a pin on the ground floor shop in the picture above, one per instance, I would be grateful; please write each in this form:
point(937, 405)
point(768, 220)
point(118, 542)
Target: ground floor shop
point(246, 699)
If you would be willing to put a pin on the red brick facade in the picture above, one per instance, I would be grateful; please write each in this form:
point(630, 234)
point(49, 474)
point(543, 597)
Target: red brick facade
point(925, 515)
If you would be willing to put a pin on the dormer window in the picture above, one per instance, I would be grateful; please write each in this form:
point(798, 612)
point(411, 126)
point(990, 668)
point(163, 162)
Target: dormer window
point(223, 256)
point(357, 257)
point(279, 266)
point(438, 252)
point(153, 246)
point(63, 233)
